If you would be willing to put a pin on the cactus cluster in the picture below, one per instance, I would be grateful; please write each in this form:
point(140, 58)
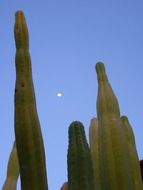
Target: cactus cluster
point(110, 160)
point(112, 142)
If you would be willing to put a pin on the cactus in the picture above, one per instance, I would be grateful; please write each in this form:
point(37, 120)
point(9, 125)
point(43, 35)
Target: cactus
point(94, 149)
point(80, 171)
point(128, 131)
point(109, 138)
point(12, 171)
point(28, 135)
point(133, 156)
point(110, 163)
point(113, 147)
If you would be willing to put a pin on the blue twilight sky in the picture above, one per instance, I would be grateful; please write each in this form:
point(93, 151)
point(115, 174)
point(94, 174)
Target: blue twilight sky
point(67, 38)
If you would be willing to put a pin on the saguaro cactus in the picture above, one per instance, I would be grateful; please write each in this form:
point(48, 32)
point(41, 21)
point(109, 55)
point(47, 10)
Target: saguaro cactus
point(114, 156)
point(28, 135)
point(80, 171)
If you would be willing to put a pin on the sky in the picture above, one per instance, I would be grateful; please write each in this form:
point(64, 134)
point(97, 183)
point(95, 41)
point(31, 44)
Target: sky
point(67, 39)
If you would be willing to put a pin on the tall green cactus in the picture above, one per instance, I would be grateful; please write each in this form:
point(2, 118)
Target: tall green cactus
point(114, 157)
point(109, 137)
point(28, 135)
point(80, 171)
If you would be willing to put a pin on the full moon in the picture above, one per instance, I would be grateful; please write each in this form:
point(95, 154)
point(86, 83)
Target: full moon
point(59, 94)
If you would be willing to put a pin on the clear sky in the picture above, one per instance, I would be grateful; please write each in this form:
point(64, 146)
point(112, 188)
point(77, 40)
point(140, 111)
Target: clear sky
point(67, 38)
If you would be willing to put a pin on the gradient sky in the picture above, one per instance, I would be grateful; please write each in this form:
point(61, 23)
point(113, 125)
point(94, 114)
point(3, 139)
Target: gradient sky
point(67, 38)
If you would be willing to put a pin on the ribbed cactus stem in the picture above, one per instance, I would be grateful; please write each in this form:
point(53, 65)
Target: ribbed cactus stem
point(29, 140)
point(133, 156)
point(112, 141)
point(12, 171)
point(128, 130)
point(108, 98)
point(80, 171)
point(94, 149)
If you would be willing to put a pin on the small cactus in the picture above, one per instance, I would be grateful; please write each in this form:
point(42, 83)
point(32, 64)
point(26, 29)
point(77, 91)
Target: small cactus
point(80, 171)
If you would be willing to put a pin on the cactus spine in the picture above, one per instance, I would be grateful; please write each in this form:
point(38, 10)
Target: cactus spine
point(113, 147)
point(12, 171)
point(80, 171)
point(28, 135)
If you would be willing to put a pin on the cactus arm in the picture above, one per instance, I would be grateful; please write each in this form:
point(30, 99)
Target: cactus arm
point(112, 142)
point(80, 171)
point(12, 171)
point(128, 130)
point(28, 135)
point(133, 156)
point(94, 149)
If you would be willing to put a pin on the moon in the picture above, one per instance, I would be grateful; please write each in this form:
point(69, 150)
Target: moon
point(59, 94)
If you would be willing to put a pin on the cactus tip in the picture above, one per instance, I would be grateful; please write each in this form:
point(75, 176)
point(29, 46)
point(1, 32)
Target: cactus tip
point(99, 65)
point(124, 119)
point(100, 70)
point(19, 13)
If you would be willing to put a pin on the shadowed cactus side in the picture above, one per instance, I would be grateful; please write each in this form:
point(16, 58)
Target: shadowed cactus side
point(80, 171)
point(28, 135)
point(141, 168)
